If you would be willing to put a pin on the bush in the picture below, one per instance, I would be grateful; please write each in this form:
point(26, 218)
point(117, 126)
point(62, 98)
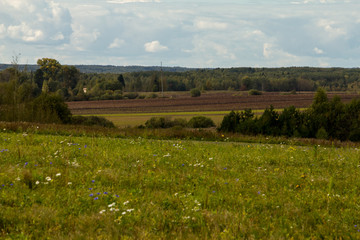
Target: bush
point(255, 92)
point(131, 95)
point(195, 92)
point(92, 121)
point(201, 122)
point(158, 122)
point(322, 134)
point(180, 122)
point(49, 108)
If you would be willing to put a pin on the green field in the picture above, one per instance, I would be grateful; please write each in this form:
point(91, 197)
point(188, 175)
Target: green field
point(136, 119)
point(57, 187)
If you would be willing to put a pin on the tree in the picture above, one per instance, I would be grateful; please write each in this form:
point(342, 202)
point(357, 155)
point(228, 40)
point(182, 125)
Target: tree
point(121, 81)
point(50, 67)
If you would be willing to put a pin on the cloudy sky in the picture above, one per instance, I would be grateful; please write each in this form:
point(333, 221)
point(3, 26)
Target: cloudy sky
point(213, 33)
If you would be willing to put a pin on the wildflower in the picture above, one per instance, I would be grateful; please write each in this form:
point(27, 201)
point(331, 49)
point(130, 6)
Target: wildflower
point(225, 168)
point(92, 181)
point(125, 203)
point(211, 158)
point(167, 155)
point(37, 182)
point(98, 193)
point(117, 196)
point(123, 213)
point(102, 211)
point(105, 192)
point(69, 183)
point(17, 179)
point(96, 198)
point(26, 163)
point(91, 195)
point(111, 205)
point(58, 175)
point(130, 210)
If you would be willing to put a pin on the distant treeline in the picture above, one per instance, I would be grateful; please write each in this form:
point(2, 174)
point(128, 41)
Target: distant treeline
point(324, 119)
point(72, 83)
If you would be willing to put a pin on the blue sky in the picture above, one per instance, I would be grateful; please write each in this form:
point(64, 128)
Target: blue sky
point(215, 33)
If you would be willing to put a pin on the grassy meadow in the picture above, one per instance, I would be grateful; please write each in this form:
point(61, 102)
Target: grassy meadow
point(56, 187)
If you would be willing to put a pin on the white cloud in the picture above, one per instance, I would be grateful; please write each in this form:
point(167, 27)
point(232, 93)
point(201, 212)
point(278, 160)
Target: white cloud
point(58, 36)
point(330, 27)
point(318, 51)
point(117, 43)
point(210, 25)
point(2, 30)
point(131, 1)
point(25, 32)
point(267, 51)
point(154, 46)
point(34, 21)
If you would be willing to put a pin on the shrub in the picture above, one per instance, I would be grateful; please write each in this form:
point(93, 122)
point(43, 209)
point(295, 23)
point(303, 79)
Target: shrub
point(131, 95)
point(195, 92)
point(92, 121)
point(255, 92)
point(153, 95)
point(322, 134)
point(201, 122)
point(50, 108)
point(180, 122)
point(158, 122)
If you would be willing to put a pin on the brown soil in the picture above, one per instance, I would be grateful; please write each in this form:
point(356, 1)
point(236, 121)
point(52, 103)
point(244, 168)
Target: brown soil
point(211, 101)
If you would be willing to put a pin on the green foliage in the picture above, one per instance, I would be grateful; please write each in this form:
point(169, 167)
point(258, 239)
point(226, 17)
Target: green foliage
point(255, 92)
point(323, 120)
point(195, 92)
point(50, 108)
point(201, 122)
point(132, 79)
point(159, 122)
point(92, 121)
point(131, 95)
point(321, 134)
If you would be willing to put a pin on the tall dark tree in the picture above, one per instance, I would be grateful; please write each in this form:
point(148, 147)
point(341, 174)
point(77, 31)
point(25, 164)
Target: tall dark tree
point(121, 80)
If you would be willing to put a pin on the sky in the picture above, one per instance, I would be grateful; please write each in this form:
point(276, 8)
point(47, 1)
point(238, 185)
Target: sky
point(201, 34)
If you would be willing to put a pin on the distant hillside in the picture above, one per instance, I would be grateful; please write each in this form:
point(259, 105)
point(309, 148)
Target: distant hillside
point(105, 68)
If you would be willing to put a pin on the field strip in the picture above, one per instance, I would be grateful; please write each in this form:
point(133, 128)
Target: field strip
point(258, 111)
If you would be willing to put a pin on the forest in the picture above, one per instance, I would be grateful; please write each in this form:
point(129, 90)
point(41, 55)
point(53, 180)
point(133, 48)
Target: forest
point(74, 85)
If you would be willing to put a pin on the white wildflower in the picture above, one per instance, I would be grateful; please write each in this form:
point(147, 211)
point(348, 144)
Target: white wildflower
point(37, 182)
point(167, 155)
point(48, 179)
point(130, 210)
point(111, 205)
point(125, 203)
point(17, 179)
point(123, 213)
point(69, 183)
point(58, 175)
point(102, 211)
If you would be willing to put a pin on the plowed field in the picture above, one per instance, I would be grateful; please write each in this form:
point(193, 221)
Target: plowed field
point(211, 101)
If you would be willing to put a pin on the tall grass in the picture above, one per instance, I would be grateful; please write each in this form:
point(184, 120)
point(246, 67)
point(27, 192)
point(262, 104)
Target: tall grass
point(89, 187)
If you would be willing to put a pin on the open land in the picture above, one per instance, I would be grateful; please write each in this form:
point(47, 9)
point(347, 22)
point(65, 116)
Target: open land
point(56, 187)
point(181, 105)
